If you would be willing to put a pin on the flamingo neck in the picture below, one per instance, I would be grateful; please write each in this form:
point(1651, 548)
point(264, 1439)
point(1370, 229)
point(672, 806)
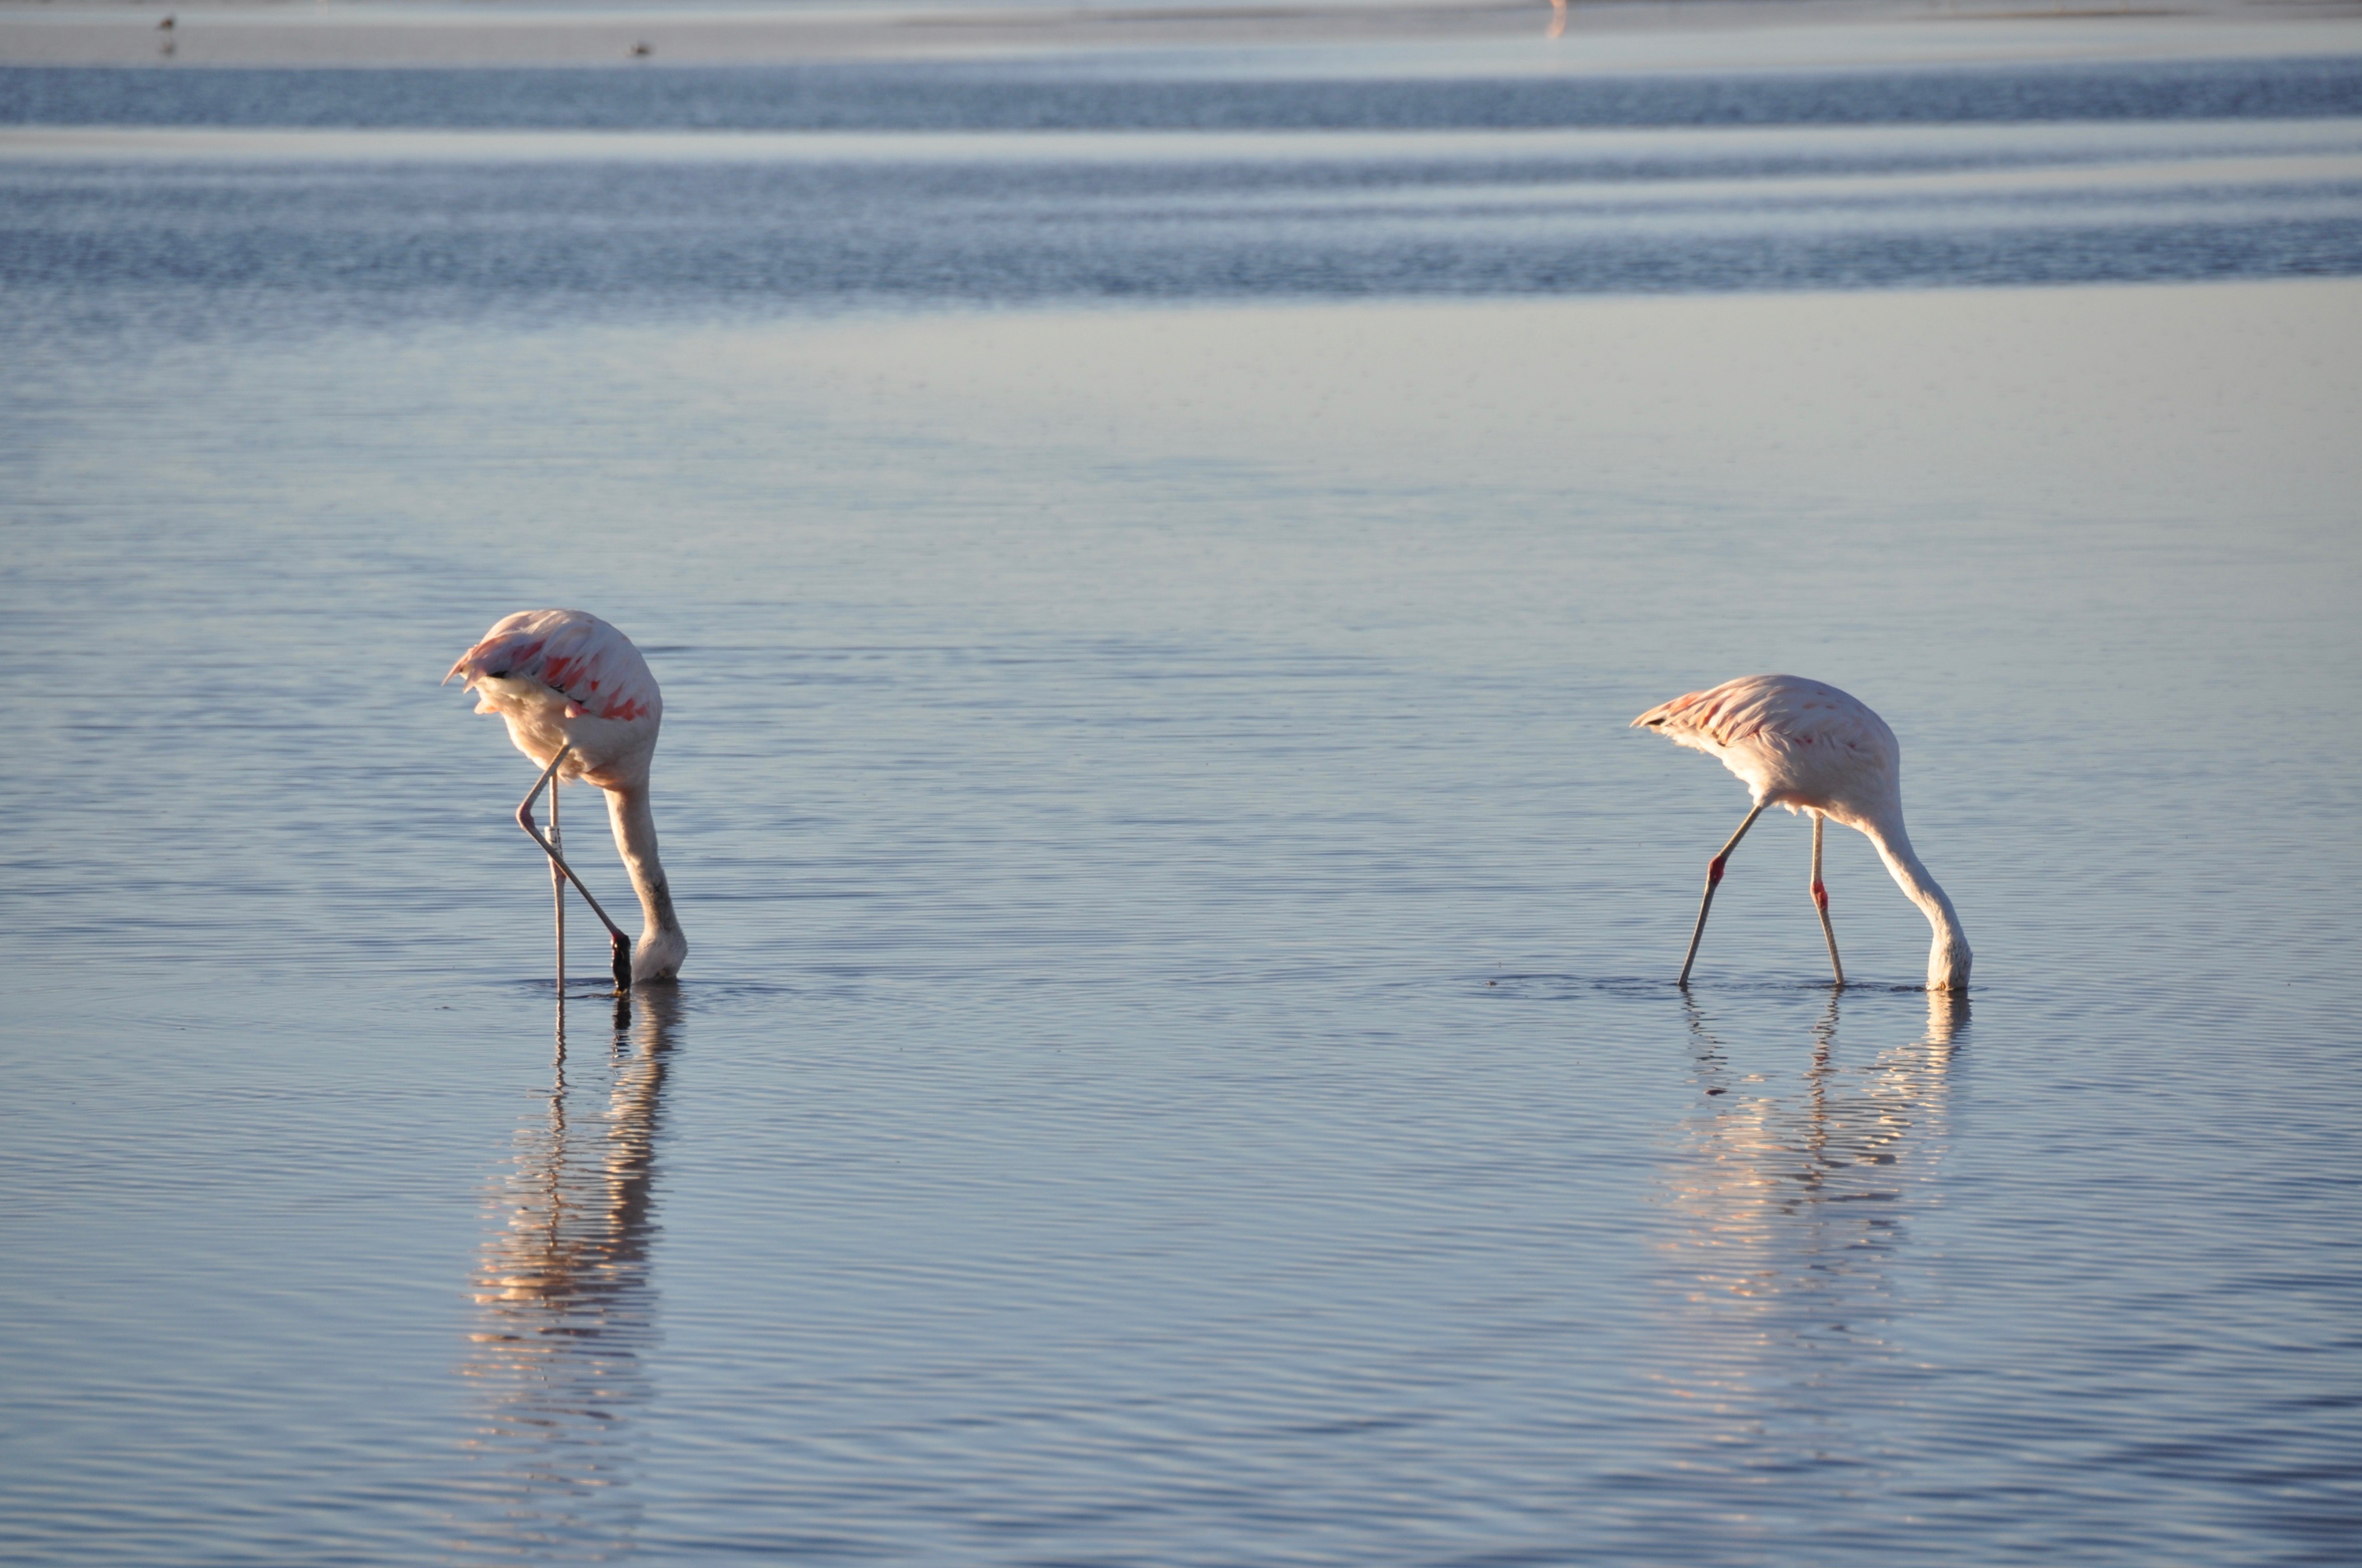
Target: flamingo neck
point(1949, 954)
point(661, 945)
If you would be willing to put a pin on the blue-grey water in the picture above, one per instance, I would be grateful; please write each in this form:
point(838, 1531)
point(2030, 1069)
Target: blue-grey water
point(1178, 1061)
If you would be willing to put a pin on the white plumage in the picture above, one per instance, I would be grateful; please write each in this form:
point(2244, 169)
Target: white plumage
point(579, 700)
point(1810, 747)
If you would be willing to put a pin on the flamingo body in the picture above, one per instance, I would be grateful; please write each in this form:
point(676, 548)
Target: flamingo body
point(565, 677)
point(1808, 746)
point(574, 691)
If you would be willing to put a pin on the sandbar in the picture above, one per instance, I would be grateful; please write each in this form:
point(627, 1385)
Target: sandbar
point(1363, 37)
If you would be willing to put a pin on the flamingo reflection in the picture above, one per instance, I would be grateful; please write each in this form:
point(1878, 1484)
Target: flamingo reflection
point(1790, 1209)
point(565, 1306)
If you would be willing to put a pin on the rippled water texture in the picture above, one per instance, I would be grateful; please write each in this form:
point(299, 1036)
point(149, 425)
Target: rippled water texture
point(1178, 1063)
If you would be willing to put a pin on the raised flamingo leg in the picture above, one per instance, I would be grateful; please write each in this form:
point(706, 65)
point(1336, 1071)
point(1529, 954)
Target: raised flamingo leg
point(620, 945)
point(1821, 901)
point(1713, 880)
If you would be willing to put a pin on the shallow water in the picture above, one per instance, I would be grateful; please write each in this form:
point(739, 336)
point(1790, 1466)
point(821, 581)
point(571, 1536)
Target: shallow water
point(1178, 1062)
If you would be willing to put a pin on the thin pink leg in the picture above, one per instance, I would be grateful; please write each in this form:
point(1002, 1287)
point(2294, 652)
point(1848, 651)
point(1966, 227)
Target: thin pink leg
point(1821, 901)
point(620, 945)
point(1713, 880)
point(557, 883)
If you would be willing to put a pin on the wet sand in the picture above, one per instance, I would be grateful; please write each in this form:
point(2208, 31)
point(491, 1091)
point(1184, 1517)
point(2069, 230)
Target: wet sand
point(1486, 36)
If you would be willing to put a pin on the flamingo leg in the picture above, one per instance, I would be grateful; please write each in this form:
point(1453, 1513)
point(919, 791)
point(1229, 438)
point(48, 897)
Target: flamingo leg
point(1713, 880)
point(1821, 901)
point(557, 883)
point(621, 945)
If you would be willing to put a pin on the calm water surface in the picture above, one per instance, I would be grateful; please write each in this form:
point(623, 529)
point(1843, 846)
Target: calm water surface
point(1177, 1063)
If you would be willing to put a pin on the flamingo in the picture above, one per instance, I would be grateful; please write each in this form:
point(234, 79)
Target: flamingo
point(578, 700)
point(1810, 747)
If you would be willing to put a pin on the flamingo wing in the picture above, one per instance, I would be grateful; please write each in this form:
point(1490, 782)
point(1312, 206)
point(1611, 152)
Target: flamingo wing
point(578, 660)
point(1775, 712)
point(1793, 741)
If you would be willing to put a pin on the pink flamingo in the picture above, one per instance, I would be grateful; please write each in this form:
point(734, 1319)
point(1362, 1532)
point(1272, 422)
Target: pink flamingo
point(1807, 746)
point(578, 700)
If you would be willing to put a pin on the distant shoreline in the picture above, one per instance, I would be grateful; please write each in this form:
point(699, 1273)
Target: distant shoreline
point(1610, 36)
